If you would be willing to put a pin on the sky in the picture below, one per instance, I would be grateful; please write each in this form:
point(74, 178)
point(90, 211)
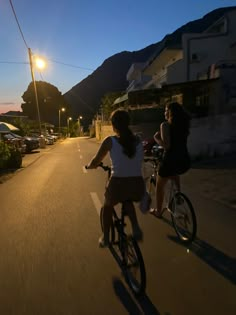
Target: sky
point(76, 36)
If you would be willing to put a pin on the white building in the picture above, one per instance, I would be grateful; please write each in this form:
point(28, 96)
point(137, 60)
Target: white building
point(200, 56)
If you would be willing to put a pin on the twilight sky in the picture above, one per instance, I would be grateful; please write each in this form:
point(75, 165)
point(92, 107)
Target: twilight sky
point(76, 36)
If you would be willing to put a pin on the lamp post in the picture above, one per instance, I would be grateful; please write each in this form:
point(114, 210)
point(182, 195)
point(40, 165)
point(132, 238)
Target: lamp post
point(79, 119)
point(35, 88)
point(68, 126)
point(59, 123)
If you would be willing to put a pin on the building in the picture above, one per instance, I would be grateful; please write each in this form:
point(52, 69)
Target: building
point(196, 69)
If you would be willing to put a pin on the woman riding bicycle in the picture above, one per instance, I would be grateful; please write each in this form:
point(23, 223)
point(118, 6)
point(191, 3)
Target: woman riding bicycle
point(172, 137)
point(126, 183)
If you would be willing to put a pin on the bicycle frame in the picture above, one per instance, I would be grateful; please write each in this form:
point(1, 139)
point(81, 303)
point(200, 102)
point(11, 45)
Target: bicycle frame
point(128, 256)
point(169, 194)
point(119, 223)
point(182, 219)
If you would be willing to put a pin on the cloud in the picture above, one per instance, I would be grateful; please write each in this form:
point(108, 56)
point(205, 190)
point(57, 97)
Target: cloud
point(7, 103)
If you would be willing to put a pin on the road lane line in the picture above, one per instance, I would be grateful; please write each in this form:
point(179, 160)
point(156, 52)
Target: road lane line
point(96, 201)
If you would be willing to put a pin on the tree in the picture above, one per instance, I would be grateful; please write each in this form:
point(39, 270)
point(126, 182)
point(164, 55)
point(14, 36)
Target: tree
point(107, 104)
point(50, 101)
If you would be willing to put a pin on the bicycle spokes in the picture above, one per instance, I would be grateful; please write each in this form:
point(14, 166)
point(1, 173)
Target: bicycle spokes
point(183, 217)
point(134, 266)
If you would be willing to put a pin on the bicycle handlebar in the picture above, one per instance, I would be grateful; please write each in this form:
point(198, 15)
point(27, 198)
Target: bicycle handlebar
point(155, 160)
point(104, 167)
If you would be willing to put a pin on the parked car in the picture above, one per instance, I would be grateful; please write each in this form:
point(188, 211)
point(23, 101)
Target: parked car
point(49, 139)
point(15, 140)
point(32, 143)
point(55, 136)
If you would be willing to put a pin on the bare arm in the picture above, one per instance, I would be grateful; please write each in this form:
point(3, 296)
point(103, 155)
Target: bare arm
point(101, 153)
point(162, 137)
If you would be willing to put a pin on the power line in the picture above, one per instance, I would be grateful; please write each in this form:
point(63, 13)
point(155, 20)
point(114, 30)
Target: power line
point(69, 65)
point(16, 62)
point(58, 62)
point(18, 24)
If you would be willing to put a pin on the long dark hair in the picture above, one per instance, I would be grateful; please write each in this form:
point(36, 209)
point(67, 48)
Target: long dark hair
point(179, 118)
point(120, 120)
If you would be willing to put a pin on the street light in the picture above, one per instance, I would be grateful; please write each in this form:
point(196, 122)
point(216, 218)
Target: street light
point(60, 110)
point(35, 88)
point(79, 119)
point(68, 126)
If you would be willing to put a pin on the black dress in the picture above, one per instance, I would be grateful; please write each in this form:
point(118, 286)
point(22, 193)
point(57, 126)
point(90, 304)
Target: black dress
point(176, 159)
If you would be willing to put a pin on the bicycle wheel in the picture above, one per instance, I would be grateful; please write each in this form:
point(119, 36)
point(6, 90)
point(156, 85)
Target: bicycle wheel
point(112, 228)
point(133, 265)
point(183, 217)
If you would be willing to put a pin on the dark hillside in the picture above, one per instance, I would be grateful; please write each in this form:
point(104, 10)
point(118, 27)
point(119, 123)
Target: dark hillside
point(85, 97)
point(109, 77)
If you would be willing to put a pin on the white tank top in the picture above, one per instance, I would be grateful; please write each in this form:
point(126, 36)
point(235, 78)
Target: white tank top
point(121, 164)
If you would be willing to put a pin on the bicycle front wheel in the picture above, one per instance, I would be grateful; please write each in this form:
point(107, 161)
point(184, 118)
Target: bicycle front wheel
point(134, 266)
point(183, 217)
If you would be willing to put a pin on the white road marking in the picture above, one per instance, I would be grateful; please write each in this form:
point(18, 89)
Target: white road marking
point(79, 150)
point(96, 201)
point(84, 170)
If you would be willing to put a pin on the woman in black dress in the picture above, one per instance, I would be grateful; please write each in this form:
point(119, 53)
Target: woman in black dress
point(172, 137)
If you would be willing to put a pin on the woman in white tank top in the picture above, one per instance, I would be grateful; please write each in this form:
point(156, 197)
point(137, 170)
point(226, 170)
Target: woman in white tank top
point(126, 182)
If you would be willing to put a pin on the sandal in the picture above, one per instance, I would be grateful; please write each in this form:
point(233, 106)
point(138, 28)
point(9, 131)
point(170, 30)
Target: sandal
point(154, 212)
point(102, 243)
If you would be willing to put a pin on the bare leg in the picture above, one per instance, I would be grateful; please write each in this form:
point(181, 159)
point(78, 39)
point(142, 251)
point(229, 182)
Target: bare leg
point(130, 209)
point(107, 220)
point(160, 192)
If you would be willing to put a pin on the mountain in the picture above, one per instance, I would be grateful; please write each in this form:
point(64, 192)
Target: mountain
point(85, 97)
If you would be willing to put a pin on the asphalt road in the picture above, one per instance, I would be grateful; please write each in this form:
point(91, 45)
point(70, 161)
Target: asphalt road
point(50, 262)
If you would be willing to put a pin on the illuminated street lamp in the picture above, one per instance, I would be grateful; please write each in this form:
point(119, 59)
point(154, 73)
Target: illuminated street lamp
point(68, 126)
point(40, 63)
point(79, 123)
point(60, 110)
point(35, 88)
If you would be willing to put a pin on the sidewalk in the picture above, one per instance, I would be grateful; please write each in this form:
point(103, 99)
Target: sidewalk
point(26, 161)
point(215, 179)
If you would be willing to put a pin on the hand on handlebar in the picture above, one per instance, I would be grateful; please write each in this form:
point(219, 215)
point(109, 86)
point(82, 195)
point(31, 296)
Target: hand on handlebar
point(87, 167)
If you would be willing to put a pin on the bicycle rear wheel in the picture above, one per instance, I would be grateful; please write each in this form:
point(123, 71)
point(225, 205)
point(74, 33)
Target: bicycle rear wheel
point(134, 267)
point(183, 217)
point(112, 228)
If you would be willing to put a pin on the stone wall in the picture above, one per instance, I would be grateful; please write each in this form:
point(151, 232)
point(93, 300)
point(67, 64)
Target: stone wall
point(209, 136)
point(213, 136)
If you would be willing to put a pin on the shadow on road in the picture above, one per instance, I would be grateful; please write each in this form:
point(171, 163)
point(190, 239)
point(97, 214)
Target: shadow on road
point(133, 305)
point(219, 261)
point(128, 300)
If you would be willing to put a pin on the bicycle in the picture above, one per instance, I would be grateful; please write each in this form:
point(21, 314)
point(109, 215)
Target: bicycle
point(176, 203)
point(131, 259)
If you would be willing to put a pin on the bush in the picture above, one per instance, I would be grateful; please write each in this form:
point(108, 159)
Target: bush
point(10, 157)
point(15, 159)
point(4, 154)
